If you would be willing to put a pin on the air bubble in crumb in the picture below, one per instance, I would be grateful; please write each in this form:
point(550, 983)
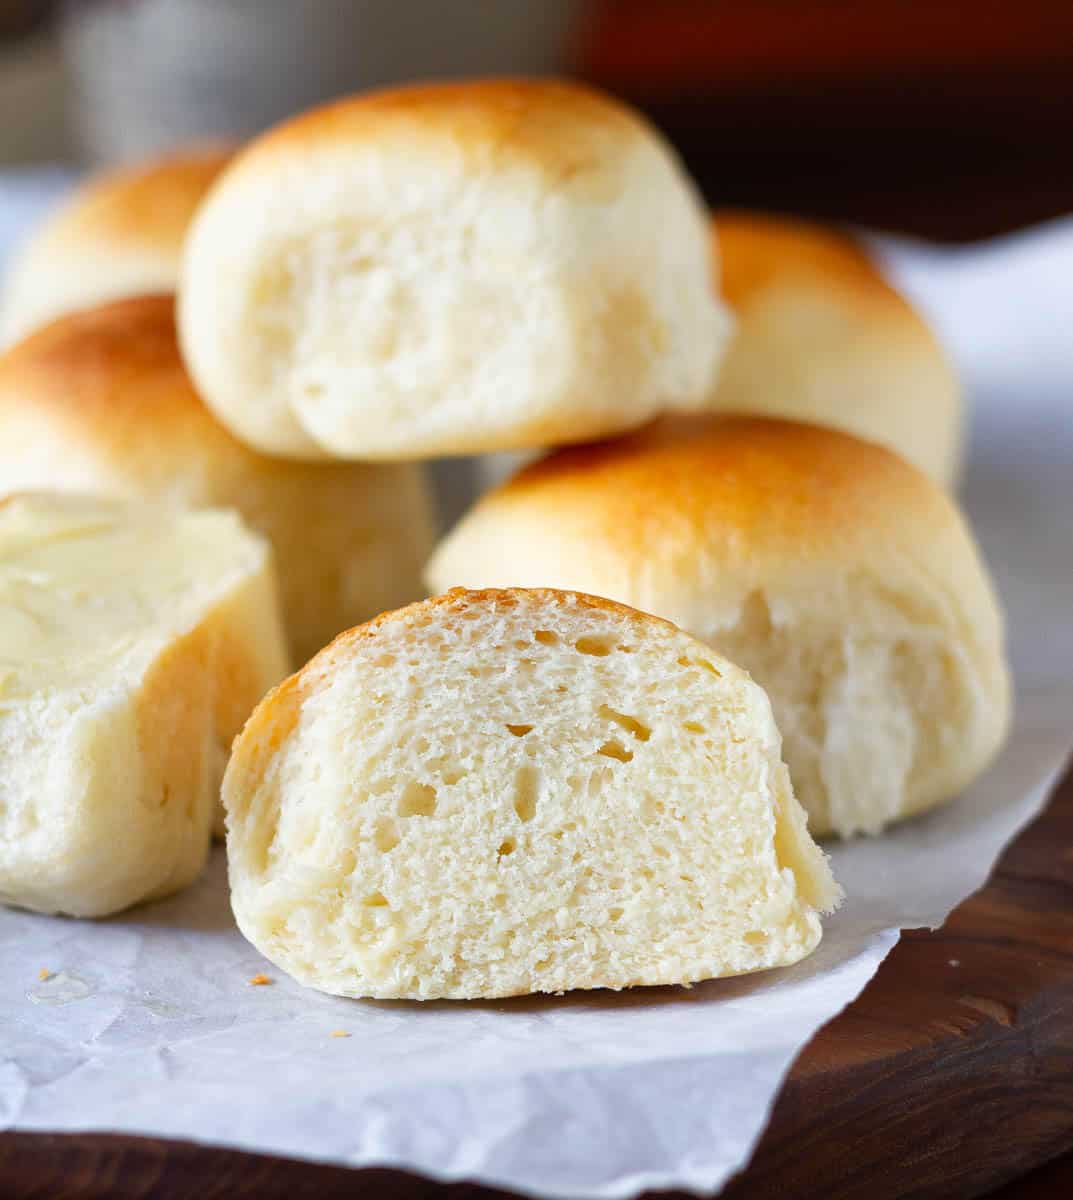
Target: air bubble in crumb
point(638, 729)
point(417, 800)
point(598, 647)
point(702, 663)
point(386, 835)
point(520, 730)
point(615, 749)
point(526, 792)
point(507, 846)
point(546, 637)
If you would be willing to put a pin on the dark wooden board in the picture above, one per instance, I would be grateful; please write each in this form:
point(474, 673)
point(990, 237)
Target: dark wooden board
point(939, 1081)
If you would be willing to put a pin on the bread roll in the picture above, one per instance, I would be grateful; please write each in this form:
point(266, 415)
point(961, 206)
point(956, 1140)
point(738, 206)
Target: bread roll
point(838, 575)
point(821, 336)
point(99, 402)
point(119, 234)
point(131, 647)
point(493, 793)
point(448, 269)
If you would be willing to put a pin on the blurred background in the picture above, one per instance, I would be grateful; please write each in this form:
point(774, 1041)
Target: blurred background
point(950, 119)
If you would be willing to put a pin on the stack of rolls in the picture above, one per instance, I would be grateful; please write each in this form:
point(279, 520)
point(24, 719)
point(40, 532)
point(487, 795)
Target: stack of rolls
point(557, 773)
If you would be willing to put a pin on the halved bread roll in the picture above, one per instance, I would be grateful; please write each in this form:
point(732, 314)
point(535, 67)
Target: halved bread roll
point(99, 401)
point(842, 578)
point(821, 336)
point(493, 793)
point(120, 234)
point(448, 269)
point(131, 648)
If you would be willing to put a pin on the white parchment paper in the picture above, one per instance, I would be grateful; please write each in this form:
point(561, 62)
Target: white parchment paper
point(148, 1024)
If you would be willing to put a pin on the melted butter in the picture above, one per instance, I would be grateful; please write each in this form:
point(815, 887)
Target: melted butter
point(82, 582)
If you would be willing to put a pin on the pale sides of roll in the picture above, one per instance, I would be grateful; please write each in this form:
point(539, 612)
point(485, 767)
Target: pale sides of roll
point(487, 794)
point(450, 269)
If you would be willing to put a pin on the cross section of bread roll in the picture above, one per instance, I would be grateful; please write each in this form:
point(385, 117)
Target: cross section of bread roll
point(448, 269)
point(493, 793)
point(821, 336)
point(99, 401)
point(131, 648)
point(120, 234)
point(840, 576)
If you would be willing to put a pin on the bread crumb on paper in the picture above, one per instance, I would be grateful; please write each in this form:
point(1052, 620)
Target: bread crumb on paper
point(44, 973)
point(260, 981)
point(339, 1033)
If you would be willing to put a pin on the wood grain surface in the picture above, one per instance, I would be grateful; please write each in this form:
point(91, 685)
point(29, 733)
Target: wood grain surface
point(949, 1076)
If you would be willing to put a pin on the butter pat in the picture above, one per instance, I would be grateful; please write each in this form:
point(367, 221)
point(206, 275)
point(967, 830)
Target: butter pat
point(133, 645)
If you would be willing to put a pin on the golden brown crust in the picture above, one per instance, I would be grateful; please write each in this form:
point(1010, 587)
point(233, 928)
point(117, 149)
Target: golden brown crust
point(750, 484)
point(756, 248)
point(139, 330)
point(271, 723)
point(688, 515)
point(757, 251)
point(149, 204)
point(114, 373)
point(543, 120)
